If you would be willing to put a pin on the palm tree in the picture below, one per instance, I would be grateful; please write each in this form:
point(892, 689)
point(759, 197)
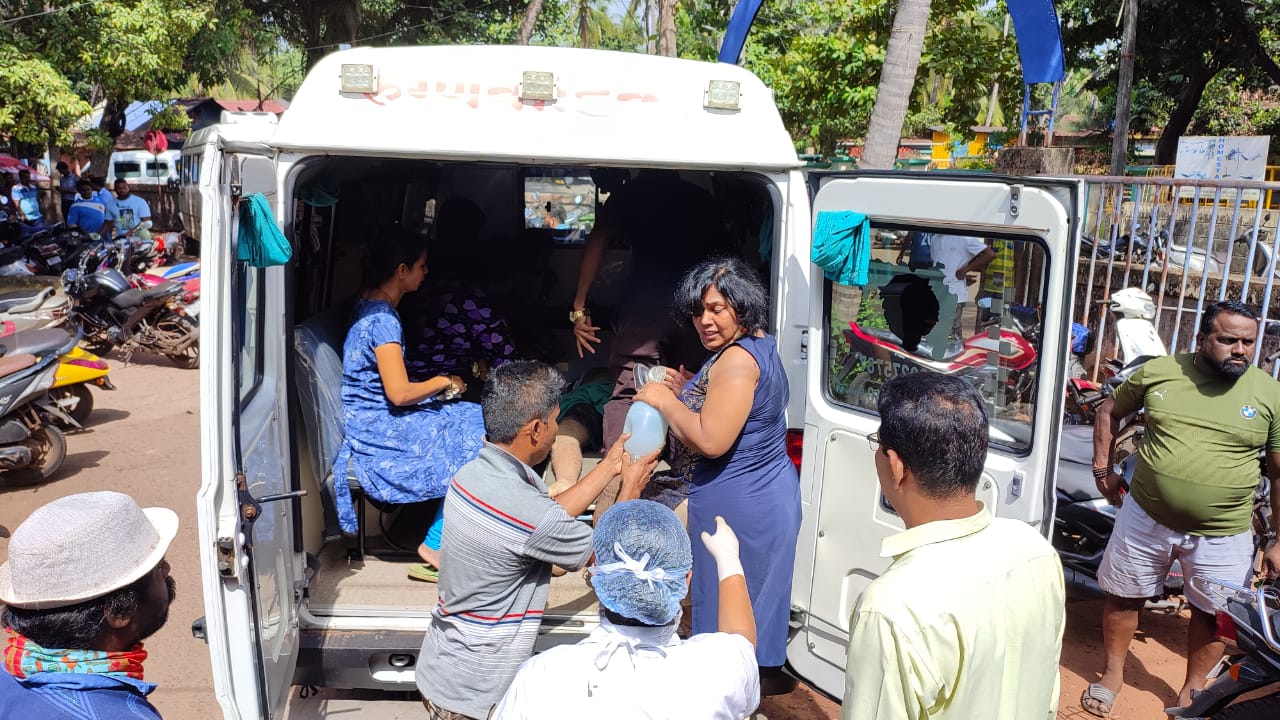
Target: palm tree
point(897, 78)
point(667, 28)
point(530, 19)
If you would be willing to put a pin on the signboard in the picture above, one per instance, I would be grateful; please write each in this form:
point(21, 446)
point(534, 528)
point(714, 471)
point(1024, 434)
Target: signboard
point(1222, 158)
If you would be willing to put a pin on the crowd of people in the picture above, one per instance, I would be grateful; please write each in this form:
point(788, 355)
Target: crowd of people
point(86, 205)
point(966, 622)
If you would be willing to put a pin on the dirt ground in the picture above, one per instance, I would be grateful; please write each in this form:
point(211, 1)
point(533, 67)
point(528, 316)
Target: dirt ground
point(143, 439)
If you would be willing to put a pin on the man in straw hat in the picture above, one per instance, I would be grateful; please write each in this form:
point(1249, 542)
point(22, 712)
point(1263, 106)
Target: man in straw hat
point(85, 583)
point(634, 664)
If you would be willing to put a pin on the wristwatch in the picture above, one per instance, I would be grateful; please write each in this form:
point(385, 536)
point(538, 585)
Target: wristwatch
point(575, 315)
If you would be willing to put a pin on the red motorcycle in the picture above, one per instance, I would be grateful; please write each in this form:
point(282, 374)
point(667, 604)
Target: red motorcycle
point(996, 357)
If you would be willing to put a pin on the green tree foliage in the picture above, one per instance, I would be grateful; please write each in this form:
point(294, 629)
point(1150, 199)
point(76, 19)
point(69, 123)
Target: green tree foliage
point(823, 59)
point(37, 104)
point(1182, 46)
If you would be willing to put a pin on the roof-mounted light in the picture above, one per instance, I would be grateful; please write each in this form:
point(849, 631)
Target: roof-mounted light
point(722, 95)
point(359, 79)
point(538, 86)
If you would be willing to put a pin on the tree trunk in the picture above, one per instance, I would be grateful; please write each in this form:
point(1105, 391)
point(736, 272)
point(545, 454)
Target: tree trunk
point(1180, 118)
point(530, 19)
point(112, 124)
point(897, 79)
point(1124, 89)
point(584, 33)
point(667, 28)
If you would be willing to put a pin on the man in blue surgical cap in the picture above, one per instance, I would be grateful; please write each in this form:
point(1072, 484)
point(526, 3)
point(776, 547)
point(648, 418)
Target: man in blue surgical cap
point(634, 665)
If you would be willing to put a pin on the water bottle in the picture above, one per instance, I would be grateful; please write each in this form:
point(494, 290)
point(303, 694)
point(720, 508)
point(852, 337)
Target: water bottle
point(647, 426)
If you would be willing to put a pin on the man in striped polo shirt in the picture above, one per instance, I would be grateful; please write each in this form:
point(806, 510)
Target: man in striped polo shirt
point(501, 535)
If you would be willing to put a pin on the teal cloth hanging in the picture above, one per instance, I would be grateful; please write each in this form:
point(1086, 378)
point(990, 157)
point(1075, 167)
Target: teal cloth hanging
point(261, 242)
point(842, 246)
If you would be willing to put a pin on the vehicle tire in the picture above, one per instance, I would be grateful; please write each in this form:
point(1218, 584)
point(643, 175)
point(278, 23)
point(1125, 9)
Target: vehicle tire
point(51, 445)
point(1263, 708)
point(82, 393)
point(99, 348)
point(188, 359)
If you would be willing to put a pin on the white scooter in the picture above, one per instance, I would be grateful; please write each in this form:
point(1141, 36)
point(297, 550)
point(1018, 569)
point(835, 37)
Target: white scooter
point(1083, 519)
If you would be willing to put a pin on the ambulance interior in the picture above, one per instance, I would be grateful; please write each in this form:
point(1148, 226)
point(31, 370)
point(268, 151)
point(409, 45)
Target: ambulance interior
point(522, 250)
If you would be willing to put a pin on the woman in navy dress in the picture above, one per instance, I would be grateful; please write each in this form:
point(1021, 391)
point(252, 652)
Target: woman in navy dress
point(404, 440)
point(730, 429)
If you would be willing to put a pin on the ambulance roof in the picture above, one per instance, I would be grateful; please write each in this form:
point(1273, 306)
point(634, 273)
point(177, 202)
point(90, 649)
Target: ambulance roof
point(464, 101)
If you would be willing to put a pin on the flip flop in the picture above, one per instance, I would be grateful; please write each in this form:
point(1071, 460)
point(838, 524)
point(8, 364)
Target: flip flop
point(423, 572)
point(1100, 694)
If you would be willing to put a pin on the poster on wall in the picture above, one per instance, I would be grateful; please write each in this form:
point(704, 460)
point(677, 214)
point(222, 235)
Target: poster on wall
point(1222, 158)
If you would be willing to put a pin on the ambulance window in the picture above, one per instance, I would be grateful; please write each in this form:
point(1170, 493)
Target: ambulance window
point(249, 329)
point(562, 201)
point(915, 315)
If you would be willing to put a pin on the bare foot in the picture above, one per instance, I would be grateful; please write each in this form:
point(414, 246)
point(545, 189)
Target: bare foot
point(429, 556)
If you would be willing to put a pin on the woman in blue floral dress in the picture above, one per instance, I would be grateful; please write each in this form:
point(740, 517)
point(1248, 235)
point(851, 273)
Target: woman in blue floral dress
point(404, 440)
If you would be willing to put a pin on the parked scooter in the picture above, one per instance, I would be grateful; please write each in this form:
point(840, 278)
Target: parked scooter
point(113, 314)
point(1252, 623)
point(1136, 339)
point(31, 448)
point(32, 309)
point(77, 368)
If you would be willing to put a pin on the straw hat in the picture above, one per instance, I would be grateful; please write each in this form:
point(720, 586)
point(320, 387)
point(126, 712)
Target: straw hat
point(81, 547)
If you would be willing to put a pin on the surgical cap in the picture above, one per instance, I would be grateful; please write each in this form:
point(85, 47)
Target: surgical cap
point(642, 557)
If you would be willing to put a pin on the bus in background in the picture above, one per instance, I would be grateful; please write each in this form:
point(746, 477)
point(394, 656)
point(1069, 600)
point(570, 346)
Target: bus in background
point(194, 175)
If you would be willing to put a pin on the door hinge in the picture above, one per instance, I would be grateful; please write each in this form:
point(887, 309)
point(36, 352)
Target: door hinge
point(804, 344)
point(1015, 199)
point(226, 550)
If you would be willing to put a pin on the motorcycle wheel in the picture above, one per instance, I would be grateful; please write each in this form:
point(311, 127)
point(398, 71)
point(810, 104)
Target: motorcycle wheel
point(99, 348)
point(188, 359)
point(51, 445)
point(80, 392)
point(1263, 708)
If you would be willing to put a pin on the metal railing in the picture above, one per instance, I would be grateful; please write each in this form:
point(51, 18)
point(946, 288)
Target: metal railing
point(1187, 243)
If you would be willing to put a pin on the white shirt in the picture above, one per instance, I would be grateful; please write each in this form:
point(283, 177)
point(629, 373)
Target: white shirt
point(623, 673)
point(965, 624)
point(954, 252)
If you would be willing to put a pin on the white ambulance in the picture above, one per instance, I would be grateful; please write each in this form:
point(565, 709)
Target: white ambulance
point(385, 135)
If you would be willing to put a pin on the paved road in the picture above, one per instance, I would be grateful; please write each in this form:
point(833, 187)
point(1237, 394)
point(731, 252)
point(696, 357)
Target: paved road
point(143, 439)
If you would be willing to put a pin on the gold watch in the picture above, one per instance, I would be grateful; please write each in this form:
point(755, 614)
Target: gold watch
point(575, 315)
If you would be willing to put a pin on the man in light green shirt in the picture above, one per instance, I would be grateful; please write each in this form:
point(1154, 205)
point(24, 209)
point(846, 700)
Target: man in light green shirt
point(1208, 415)
point(967, 621)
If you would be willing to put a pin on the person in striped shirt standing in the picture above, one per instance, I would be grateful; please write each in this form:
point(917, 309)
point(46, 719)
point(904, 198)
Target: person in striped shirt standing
point(502, 533)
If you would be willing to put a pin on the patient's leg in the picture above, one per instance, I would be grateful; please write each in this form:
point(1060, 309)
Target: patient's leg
point(566, 455)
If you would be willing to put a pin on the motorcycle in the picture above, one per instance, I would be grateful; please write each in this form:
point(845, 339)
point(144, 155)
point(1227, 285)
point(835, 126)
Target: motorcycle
point(77, 368)
point(55, 248)
point(31, 448)
point(877, 354)
point(1251, 623)
point(113, 314)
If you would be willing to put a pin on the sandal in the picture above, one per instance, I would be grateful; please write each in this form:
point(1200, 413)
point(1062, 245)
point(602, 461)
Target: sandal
point(423, 572)
point(1101, 695)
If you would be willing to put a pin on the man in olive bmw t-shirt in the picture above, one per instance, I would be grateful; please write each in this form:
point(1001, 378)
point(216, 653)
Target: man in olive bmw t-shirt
point(1208, 414)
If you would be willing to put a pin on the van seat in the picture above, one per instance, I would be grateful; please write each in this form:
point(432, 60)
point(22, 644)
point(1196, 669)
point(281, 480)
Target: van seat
point(318, 370)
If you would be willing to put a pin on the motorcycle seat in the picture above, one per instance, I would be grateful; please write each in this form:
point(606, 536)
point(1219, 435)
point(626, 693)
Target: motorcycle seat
point(35, 342)
point(134, 297)
point(11, 364)
point(23, 300)
point(1077, 444)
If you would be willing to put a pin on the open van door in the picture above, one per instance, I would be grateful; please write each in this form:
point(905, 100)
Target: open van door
point(1006, 330)
point(253, 570)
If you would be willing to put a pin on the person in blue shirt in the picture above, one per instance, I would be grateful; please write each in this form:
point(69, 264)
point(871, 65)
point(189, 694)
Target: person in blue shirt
point(102, 194)
point(85, 583)
point(26, 200)
point(86, 213)
point(129, 213)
